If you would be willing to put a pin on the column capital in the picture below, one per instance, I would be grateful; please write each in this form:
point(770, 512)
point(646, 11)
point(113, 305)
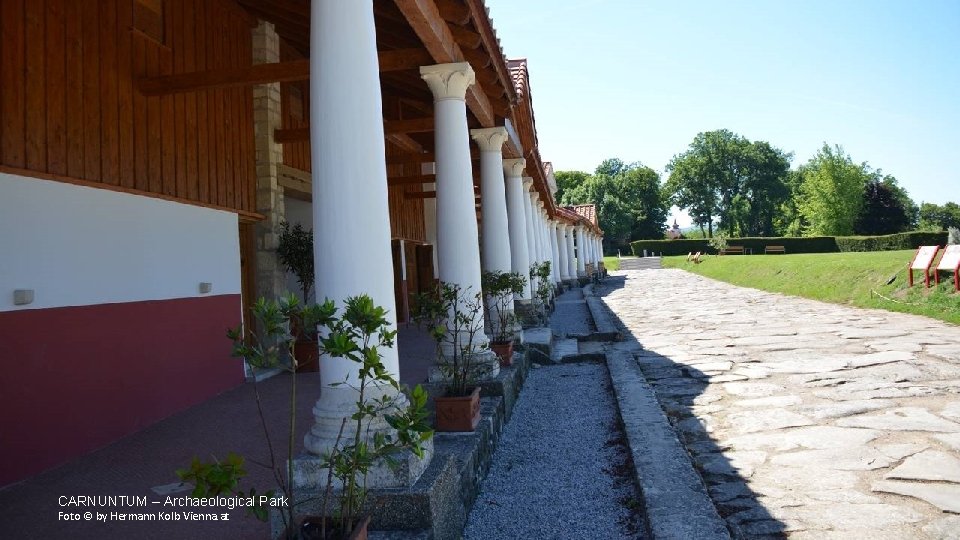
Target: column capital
point(527, 182)
point(514, 166)
point(448, 81)
point(490, 139)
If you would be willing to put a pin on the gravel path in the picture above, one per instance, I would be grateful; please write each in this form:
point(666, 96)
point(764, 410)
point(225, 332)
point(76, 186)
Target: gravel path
point(560, 470)
point(571, 316)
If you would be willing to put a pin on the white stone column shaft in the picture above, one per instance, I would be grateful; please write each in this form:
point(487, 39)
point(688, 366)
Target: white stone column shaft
point(457, 236)
point(517, 222)
point(347, 142)
point(554, 249)
point(581, 252)
point(562, 268)
point(571, 253)
point(531, 237)
point(493, 201)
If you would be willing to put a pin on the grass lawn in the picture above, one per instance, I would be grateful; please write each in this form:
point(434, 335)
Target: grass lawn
point(613, 263)
point(857, 279)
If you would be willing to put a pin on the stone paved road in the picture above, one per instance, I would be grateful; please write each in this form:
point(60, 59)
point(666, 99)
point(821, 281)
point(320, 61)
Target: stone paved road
point(805, 418)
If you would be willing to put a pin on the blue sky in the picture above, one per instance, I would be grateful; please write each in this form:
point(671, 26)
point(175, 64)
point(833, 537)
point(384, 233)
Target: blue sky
point(638, 80)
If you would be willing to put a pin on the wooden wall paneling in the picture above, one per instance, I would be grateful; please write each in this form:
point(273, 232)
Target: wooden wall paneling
point(55, 85)
point(179, 100)
point(236, 102)
point(200, 63)
point(141, 156)
point(36, 124)
point(213, 126)
point(229, 111)
point(190, 104)
point(154, 125)
point(109, 121)
point(91, 91)
point(12, 98)
point(216, 45)
point(169, 154)
point(73, 57)
point(125, 90)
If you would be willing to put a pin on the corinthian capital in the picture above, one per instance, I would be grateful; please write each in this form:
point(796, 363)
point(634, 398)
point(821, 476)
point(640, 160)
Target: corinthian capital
point(490, 139)
point(448, 81)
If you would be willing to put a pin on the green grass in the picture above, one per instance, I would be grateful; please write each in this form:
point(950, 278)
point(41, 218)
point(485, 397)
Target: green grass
point(613, 263)
point(857, 279)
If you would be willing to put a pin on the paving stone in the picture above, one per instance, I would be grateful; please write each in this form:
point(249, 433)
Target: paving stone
point(845, 459)
point(740, 464)
point(728, 491)
point(753, 372)
point(947, 528)
point(883, 357)
point(843, 495)
point(944, 496)
point(928, 465)
point(772, 401)
point(900, 451)
point(751, 389)
point(952, 440)
point(951, 411)
point(713, 366)
point(861, 333)
point(813, 365)
point(888, 392)
point(848, 408)
point(813, 437)
point(902, 419)
point(727, 377)
point(776, 480)
point(765, 420)
point(849, 516)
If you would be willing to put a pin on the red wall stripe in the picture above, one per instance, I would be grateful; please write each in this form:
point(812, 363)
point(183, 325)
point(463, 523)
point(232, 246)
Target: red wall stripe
point(75, 379)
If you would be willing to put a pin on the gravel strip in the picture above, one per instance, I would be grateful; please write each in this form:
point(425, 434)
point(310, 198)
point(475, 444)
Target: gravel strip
point(571, 315)
point(561, 469)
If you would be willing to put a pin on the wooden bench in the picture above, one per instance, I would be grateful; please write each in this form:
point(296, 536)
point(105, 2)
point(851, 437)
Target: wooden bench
point(774, 249)
point(732, 250)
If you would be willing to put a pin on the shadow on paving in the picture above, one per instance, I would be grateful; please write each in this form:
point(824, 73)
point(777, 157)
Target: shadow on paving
point(680, 391)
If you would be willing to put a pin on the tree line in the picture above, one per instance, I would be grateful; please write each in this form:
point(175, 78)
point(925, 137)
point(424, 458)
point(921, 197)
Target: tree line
point(729, 183)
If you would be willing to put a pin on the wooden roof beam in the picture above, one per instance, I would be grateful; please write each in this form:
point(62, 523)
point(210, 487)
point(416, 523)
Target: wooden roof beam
point(294, 70)
point(433, 31)
point(454, 12)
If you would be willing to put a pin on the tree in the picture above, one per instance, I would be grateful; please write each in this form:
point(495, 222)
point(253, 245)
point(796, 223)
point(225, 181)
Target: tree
point(883, 211)
point(831, 194)
point(724, 175)
point(628, 197)
point(567, 180)
point(938, 218)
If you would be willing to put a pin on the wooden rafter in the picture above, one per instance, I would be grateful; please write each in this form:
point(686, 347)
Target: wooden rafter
point(433, 31)
point(295, 70)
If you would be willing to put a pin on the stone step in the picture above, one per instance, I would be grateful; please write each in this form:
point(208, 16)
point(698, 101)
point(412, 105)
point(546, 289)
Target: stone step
point(640, 263)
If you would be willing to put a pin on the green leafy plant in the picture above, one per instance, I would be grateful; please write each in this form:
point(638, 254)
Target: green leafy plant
point(449, 314)
point(719, 241)
point(540, 275)
point(358, 334)
point(295, 252)
point(220, 477)
point(499, 288)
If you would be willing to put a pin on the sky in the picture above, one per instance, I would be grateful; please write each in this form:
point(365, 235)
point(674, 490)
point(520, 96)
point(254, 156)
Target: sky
point(638, 80)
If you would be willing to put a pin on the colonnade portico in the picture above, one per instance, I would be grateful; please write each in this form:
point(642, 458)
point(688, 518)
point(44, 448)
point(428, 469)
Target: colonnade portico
point(520, 255)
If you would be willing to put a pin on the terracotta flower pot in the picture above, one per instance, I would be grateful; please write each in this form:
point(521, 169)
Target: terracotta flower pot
point(505, 351)
point(458, 413)
point(312, 525)
point(307, 352)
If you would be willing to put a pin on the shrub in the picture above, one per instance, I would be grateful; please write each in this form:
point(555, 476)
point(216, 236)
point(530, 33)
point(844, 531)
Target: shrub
point(891, 242)
point(807, 244)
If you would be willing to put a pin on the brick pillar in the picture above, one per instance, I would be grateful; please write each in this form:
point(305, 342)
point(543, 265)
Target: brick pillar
point(271, 277)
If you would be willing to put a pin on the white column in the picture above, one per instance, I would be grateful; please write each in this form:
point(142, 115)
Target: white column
point(493, 202)
point(430, 222)
point(554, 249)
point(458, 250)
point(346, 141)
point(562, 268)
point(537, 226)
point(531, 237)
point(600, 248)
point(517, 222)
point(581, 252)
point(571, 253)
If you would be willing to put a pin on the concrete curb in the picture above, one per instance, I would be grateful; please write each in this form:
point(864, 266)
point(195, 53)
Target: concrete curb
point(606, 329)
point(675, 500)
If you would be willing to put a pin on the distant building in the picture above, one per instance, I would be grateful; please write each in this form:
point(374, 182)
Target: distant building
point(674, 232)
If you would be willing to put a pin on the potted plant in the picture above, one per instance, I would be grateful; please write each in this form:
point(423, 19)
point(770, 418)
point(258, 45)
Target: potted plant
point(540, 275)
point(499, 288)
point(358, 334)
point(450, 315)
point(295, 253)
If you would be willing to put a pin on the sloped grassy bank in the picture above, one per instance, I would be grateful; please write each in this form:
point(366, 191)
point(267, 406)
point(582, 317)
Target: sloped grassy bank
point(854, 278)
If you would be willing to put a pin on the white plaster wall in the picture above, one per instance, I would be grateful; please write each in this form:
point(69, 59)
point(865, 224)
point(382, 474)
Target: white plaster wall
point(298, 212)
point(76, 246)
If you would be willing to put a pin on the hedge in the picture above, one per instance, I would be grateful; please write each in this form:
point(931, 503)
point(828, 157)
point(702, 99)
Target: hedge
point(807, 244)
point(891, 242)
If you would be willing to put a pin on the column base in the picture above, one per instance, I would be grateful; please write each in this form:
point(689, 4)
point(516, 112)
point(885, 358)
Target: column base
point(337, 403)
point(310, 472)
point(485, 366)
